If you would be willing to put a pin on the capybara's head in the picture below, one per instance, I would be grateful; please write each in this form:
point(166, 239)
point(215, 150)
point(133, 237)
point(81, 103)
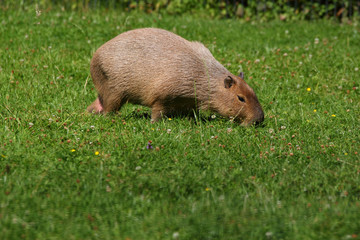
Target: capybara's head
point(240, 102)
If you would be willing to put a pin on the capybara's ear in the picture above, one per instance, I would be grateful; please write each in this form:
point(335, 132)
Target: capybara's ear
point(241, 75)
point(228, 82)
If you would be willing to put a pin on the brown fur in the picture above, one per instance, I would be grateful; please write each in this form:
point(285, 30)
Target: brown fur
point(161, 70)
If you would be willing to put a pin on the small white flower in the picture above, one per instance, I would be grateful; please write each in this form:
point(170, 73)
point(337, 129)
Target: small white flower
point(283, 127)
point(175, 235)
point(356, 69)
point(268, 234)
point(257, 61)
point(26, 36)
point(310, 55)
point(138, 168)
point(31, 124)
point(343, 194)
point(271, 130)
point(316, 41)
point(92, 127)
point(285, 54)
point(286, 31)
point(168, 131)
point(213, 116)
point(38, 12)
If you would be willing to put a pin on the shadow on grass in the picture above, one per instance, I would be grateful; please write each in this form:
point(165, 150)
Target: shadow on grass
point(195, 117)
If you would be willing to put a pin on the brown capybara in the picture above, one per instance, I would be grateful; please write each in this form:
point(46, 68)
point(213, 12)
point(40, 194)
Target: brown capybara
point(169, 74)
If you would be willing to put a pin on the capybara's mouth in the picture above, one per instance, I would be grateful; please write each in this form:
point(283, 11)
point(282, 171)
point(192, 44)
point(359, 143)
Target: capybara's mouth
point(256, 123)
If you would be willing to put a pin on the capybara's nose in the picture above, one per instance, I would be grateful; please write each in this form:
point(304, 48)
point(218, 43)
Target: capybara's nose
point(260, 118)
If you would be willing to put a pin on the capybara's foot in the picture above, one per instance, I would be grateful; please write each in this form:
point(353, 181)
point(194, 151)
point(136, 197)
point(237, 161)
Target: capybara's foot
point(157, 112)
point(96, 107)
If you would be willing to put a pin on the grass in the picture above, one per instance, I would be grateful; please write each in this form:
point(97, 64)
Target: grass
point(65, 174)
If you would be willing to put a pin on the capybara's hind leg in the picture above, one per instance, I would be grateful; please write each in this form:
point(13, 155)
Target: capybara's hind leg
point(96, 107)
point(112, 102)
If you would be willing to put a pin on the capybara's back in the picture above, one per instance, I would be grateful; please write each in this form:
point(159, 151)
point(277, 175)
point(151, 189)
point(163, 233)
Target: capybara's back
point(161, 70)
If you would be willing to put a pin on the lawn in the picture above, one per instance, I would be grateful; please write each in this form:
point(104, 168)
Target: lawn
point(65, 174)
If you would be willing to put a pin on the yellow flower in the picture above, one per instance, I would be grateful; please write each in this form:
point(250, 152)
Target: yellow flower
point(72, 150)
point(346, 153)
point(207, 189)
point(314, 110)
point(170, 119)
point(333, 115)
point(96, 153)
point(308, 89)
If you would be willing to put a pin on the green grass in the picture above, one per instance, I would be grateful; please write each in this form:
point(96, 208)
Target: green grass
point(296, 177)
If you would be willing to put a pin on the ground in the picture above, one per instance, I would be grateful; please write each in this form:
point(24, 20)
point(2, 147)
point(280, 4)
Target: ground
point(68, 174)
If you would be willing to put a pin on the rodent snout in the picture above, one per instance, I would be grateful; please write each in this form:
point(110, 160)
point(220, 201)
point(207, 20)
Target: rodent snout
point(260, 117)
point(256, 120)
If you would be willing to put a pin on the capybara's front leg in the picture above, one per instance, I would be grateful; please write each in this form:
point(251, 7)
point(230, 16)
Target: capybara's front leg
point(157, 111)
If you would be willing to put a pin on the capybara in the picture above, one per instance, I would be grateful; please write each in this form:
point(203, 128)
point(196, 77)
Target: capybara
point(161, 70)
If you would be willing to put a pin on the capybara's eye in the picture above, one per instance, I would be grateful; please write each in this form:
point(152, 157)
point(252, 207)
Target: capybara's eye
point(241, 99)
